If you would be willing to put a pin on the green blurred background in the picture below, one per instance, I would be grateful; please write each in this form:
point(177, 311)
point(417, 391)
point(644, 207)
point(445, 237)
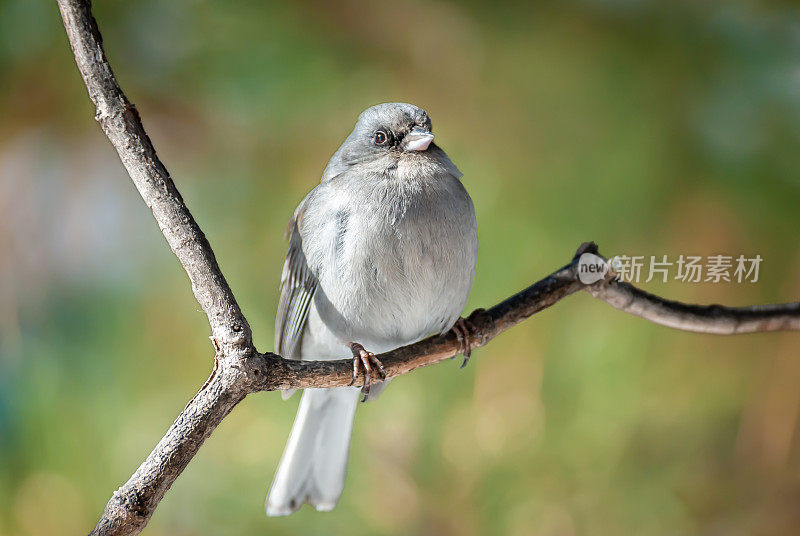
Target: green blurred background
point(652, 128)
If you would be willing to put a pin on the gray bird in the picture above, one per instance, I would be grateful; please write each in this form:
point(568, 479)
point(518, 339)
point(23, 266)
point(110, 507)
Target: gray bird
point(381, 254)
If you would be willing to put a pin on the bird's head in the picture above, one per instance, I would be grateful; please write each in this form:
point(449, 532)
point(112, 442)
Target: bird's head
point(394, 126)
point(387, 134)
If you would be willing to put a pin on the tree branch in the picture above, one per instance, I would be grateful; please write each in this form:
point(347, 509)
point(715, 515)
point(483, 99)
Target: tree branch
point(714, 319)
point(279, 373)
point(121, 123)
point(240, 370)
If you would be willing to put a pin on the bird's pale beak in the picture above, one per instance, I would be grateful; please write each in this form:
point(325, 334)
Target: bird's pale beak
point(417, 140)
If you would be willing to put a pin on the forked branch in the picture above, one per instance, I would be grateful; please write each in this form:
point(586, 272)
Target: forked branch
point(240, 370)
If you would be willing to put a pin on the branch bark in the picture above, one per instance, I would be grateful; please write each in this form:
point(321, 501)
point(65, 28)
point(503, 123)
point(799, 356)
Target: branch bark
point(121, 123)
point(239, 369)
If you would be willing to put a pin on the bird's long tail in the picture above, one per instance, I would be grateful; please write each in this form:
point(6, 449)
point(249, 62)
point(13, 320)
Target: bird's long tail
point(314, 463)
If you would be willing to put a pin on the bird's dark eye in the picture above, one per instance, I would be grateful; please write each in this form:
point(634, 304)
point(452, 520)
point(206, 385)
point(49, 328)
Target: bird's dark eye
point(381, 138)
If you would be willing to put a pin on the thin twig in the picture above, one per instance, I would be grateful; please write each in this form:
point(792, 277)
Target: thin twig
point(714, 319)
point(240, 369)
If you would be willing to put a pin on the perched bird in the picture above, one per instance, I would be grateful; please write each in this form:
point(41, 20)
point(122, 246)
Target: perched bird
point(381, 254)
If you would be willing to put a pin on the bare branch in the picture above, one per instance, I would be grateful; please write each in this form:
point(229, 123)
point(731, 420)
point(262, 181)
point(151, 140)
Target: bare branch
point(131, 506)
point(715, 319)
point(279, 373)
point(120, 122)
point(239, 369)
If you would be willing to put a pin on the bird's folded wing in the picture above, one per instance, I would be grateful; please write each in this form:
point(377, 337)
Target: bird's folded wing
point(297, 290)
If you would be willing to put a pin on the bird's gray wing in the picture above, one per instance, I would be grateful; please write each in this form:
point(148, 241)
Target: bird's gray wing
point(298, 285)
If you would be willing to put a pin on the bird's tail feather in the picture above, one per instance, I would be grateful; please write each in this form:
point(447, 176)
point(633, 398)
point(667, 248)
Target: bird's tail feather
point(314, 463)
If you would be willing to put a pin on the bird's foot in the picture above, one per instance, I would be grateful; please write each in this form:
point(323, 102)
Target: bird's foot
point(465, 329)
point(367, 360)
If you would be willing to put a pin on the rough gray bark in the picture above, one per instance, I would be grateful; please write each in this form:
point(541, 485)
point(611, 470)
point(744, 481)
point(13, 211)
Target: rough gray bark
point(239, 369)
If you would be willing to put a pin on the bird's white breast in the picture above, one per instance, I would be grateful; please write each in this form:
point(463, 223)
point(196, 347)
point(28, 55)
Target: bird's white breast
point(394, 259)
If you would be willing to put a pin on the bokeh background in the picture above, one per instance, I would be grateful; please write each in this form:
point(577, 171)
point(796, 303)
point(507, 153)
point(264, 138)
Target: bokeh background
point(652, 128)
